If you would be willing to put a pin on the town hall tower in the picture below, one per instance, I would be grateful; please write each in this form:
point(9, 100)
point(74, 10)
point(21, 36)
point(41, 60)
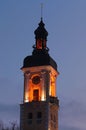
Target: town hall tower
point(39, 110)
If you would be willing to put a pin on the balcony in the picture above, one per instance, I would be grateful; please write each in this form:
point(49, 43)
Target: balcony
point(54, 100)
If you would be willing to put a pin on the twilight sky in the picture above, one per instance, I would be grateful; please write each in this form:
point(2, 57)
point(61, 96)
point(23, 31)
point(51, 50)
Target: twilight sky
point(65, 21)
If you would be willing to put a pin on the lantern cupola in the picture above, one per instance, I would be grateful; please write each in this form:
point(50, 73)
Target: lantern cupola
point(41, 38)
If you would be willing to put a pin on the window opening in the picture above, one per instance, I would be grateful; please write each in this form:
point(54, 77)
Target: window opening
point(36, 95)
point(30, 116)
point(39, 117)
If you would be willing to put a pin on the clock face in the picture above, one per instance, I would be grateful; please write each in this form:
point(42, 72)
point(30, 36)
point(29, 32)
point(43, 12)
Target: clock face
point(36, 80)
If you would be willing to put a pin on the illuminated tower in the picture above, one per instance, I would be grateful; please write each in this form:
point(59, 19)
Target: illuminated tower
point(39, 110)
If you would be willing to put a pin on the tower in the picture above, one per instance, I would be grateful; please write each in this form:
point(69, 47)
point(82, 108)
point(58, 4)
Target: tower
point(39, 110)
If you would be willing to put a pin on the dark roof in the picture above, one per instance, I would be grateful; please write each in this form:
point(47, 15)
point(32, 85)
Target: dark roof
point(39, 60)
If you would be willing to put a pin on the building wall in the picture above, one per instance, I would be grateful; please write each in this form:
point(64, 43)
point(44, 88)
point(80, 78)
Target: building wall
point(53, 116)
point(47, 121)
point(36, 123)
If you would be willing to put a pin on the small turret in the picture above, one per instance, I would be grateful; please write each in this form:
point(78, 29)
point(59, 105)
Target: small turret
point(41, 38)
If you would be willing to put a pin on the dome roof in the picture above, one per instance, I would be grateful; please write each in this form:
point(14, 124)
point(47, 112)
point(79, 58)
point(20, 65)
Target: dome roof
point(39, 60)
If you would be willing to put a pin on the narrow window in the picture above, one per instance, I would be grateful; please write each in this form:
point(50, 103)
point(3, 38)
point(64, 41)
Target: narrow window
point(39, 117)
point(36, 95)
point(30, 116)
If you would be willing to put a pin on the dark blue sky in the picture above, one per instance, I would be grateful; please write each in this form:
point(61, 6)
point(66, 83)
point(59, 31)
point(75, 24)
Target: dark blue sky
point(65, 21)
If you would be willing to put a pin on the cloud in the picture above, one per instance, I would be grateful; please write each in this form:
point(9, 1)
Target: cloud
point(10, 91)
point(72, 116)
point(68, 128)
point(9, 112)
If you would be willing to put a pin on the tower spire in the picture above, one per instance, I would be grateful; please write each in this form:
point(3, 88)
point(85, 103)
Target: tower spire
point(41, 11)
point(40, 38)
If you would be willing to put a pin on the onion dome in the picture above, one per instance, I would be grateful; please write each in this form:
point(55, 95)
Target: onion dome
point(41, 32)
point(41, 39)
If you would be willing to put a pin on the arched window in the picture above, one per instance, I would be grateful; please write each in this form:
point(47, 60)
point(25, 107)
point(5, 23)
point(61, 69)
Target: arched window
point(36, 95)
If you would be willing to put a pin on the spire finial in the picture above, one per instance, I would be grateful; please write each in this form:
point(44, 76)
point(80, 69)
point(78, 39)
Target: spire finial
point(41, 11)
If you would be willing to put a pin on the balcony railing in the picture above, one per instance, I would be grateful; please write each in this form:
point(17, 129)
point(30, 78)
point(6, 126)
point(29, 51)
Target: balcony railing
point(54, 100)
